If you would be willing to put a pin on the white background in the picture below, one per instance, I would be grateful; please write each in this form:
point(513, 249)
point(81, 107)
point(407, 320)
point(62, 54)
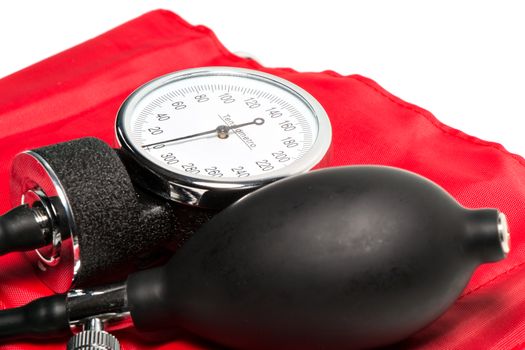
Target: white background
point(462, 60)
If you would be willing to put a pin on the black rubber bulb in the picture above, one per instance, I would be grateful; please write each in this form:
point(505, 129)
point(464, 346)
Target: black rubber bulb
point(351, 257)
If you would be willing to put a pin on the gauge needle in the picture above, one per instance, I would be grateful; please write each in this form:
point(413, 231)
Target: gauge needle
point(222, 132)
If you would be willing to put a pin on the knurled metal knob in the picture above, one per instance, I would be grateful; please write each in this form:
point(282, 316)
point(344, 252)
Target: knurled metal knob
point(93, 340)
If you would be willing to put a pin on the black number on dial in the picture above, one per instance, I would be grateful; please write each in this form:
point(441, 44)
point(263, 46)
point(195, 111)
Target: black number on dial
point(281, 156)
point(287, 125)
point(202, 98)
point(162, 117)
point(190, 168)
point(274, 113)
point(289, 142)
point(265, 165)
point(252, 103)
point(227, 98)
point(240, 172)
point(214, 171)
point(169, 158)
point(178, 105)
point(155, 130)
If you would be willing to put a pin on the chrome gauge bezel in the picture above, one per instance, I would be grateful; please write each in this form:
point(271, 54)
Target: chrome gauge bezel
point(184, 188)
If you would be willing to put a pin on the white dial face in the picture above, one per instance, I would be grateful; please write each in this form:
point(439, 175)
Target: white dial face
point(222, 126)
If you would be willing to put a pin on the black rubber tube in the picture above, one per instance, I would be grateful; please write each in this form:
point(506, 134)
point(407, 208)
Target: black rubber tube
point(20, 231)
point(43, 318)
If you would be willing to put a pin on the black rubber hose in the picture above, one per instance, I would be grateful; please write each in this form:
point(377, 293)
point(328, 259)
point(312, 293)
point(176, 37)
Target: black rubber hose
point(43, 318)
point(20, 231)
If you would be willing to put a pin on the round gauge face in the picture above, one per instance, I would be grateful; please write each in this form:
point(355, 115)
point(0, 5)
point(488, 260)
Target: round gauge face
point(224, 125)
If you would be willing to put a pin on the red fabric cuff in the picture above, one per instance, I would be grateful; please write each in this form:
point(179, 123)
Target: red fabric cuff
point(78, 92)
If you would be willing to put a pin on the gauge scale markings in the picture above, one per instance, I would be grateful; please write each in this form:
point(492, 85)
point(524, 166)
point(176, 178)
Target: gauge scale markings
point(264, 164)
point(204, 129)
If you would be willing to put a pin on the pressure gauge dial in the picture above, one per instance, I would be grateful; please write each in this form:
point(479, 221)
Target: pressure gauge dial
point(207, 136)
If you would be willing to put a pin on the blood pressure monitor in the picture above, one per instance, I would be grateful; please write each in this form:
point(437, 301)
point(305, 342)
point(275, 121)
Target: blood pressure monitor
point(192, 143)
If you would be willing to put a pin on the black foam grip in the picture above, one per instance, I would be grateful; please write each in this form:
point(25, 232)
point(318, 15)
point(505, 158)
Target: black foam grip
point(116, 224)
point(102, 198)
